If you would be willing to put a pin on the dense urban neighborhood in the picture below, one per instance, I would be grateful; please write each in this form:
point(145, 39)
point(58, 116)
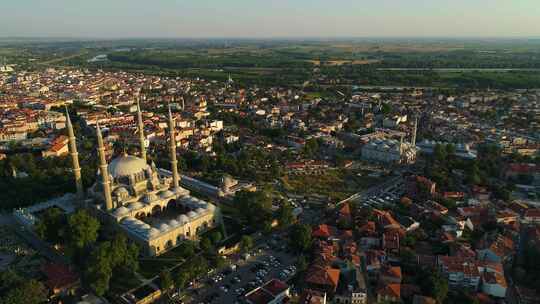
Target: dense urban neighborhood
point(124, 186)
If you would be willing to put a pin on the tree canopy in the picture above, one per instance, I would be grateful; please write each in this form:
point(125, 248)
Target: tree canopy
point(108, 257)
point(300, 237)
point(255, 207)
point(83, 229)
point(15, 289)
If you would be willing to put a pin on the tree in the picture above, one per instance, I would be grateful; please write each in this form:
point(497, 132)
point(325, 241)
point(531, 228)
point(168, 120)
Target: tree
point(386, 108)
point(246, 243)
point(473, 175)
point(181, 279)
point(300, 238)
point(435, 285)
point(200, 265)
point(27, 292)
point(285, 215)
point(255, 207)
point(216, 237)
point(311, 147)
point(440, 153)
point(206, 245)
point(450, 150)
point(186, 249)
point(51, 226)
point(166, 280)
point(301, 263)
point(83, 229)
point(108, 257)
point(99, 271)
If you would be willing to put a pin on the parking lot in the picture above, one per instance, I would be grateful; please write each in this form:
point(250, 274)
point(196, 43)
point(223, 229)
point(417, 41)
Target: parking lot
point(268, 261)
point(385, 194)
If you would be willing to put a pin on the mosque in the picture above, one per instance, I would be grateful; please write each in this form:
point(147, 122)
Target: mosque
point(140, 200)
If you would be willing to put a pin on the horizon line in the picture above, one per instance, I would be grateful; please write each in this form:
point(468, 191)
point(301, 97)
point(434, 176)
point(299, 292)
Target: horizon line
point(75, 38)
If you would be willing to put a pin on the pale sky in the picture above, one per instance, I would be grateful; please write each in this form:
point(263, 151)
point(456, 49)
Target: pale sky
point(269, 18)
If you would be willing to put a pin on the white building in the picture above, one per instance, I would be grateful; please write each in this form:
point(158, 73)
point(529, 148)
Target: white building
point(389, 151)
point(461, 150)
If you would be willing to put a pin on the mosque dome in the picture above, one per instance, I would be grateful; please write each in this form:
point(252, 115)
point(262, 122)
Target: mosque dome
point(126, 165)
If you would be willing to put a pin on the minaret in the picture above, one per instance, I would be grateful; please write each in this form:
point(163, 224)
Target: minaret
point(103, 169)
point(74, 158)
point(174, 162)
point(415, 129)
point(141, 131)
point(401, 145)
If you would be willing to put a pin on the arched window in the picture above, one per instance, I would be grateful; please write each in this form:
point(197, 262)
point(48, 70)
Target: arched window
point(156, 209)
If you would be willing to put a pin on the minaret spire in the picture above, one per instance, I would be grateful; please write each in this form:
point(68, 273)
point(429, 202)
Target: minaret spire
point(103, 169)
point(141, 131)
point(174, 162)
point(413, 139)
point(74, 158)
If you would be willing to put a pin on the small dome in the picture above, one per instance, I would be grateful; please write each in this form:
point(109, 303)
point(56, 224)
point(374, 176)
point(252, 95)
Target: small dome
point(126, 165)
point(191, 214)
point(174, 223)
point(164, 227)
point(183, 219)
point(121, 211)
point(166, 194)
point(135, 206)
point(129, 220)
point(139, 223)
point(199, 211)
point(153, 232)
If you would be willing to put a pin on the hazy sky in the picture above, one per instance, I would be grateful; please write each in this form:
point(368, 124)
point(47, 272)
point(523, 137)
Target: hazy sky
point(269, 18)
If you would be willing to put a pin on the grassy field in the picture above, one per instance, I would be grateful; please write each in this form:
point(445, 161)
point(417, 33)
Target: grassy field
point(334, 184)
point(276, 62)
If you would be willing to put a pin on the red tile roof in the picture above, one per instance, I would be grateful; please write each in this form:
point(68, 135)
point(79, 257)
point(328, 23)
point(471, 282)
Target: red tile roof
point(310, 296)
point(324, 276)
point(59, 276)
point(523, 168)
point(535, 213)
point(345, 210)
point(390, 290)
point(275, 287)
point(323, 231)
point(391, 271)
